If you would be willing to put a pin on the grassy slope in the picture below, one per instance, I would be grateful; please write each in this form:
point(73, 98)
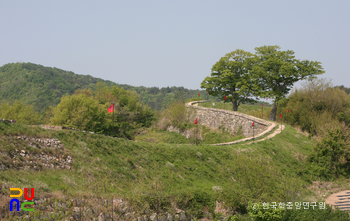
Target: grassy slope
point(105, 166)
point(208, 136)
point(141, 172)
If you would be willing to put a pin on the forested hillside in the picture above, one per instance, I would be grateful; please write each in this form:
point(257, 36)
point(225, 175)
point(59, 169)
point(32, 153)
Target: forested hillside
point(44, 86)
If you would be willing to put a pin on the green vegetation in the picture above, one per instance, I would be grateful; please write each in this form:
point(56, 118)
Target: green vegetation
point(346, 89)
point(331, 156)
point(317, 107)
point(42, 87)
point(22, 113)
point(263, 214)
point(277, 71)
point(205, 136)
point(159, 176)
point(230, 77)
point(178, 117)
point(87, 110)
point(164, 171)
point(270, 72)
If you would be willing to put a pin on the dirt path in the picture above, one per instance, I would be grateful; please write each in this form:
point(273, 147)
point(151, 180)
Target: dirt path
point(277, 131)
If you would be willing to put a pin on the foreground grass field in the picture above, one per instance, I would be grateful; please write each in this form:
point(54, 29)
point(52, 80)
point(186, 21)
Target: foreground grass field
point(166, 177)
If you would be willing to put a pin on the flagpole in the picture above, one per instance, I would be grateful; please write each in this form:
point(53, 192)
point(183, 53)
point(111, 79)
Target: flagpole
point(262, 111)
point(253, 130)
point(224, 102)
point(281, 121)
point(197, 134)
point(195, 122)
point(113, 120)
point(253, 134)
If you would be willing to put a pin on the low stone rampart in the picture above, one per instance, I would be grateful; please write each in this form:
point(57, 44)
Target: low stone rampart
point(232, 121)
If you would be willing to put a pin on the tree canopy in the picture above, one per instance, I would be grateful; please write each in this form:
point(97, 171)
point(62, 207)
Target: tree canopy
point(42, 86)
point(269, 72)
point(277, 71)
point(230, 77)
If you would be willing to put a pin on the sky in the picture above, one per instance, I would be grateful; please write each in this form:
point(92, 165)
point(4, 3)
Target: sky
point(170, 43)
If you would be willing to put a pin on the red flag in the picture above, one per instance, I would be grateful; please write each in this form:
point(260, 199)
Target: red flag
point(225, 97)
point(110, 109)
point(262, 104)
point(199, 95)
point(207, 92)
point(195, 122)
point(287, 110)
point(253, 124)
point(266, 98)
point(281, 115)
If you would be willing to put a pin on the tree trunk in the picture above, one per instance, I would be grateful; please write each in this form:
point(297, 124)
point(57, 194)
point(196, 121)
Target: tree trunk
point(234, 106)
point(273, 111)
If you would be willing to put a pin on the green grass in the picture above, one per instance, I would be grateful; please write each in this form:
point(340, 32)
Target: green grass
point(157, 176)
point(205, 134)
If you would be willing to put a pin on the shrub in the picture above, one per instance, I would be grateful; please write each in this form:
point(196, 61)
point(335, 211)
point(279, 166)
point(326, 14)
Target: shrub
point(176, 115)
point(331, 156)
point(317, 107)
point(20, 112)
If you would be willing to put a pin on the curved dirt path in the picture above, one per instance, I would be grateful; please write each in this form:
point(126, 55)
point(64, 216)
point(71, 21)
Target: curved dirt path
point(277, 131)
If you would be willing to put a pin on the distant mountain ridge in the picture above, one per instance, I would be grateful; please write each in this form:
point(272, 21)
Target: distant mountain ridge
point(44, 86)
point(41, 86)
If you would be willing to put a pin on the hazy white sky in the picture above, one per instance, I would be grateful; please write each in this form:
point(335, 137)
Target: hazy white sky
point(170, 43)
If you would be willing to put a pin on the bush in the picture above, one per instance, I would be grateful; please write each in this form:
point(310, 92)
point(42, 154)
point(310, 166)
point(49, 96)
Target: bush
point(20, 112)
point(176, 115)
point(317, 107)
point(331, 156)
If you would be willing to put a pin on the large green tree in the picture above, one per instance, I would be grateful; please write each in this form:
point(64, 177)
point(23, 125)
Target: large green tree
point(277, 71)
point(230, 77)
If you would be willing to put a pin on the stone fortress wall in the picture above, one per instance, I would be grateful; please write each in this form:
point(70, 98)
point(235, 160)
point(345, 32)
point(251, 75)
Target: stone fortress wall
point(231, 120)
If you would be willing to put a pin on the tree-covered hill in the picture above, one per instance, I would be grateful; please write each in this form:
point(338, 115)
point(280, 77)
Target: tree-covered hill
point(44, 86)
point(41, 86)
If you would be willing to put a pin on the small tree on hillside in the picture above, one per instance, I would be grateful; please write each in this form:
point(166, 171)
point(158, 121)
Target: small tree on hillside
point(230, 77)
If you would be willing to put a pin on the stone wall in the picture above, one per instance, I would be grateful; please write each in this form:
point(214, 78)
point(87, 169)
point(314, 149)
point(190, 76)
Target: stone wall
point(231, 120)
point(23, 159)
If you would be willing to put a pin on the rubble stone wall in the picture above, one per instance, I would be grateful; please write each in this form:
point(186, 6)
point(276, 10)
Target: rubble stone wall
point(24, 159)
point(231, 120)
